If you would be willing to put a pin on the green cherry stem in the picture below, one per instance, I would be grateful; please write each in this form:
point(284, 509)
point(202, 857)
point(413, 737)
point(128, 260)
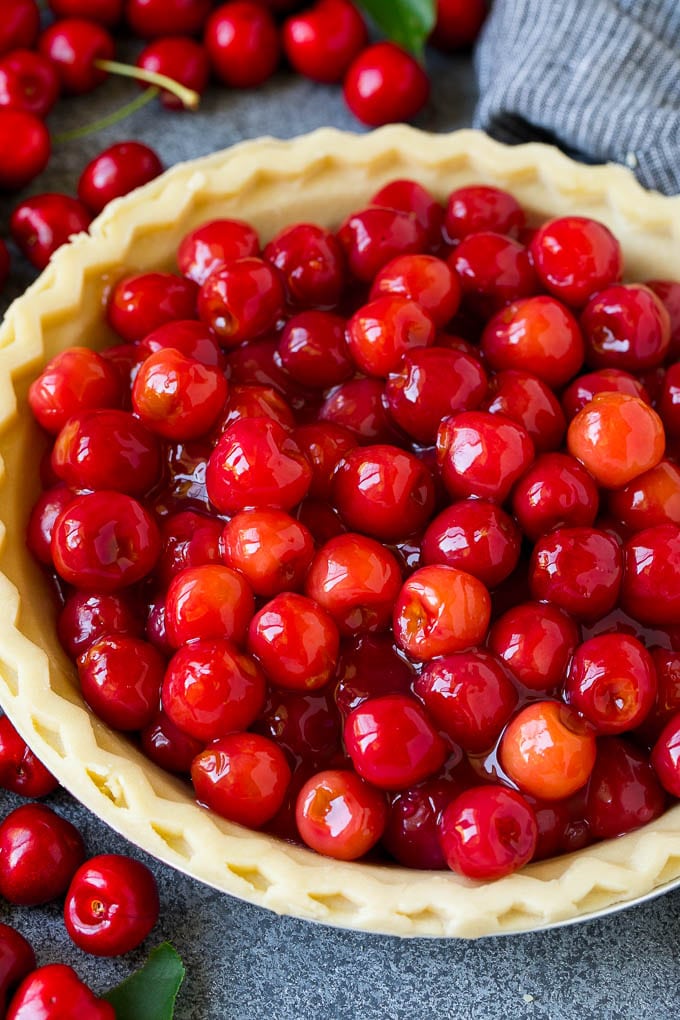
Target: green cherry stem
point(109, 120)
point(188, 97)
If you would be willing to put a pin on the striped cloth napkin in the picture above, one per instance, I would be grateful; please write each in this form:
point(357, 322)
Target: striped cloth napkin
point(599, 78)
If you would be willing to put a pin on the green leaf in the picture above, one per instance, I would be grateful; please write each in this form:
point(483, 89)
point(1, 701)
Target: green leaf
point(150, 993)
point(406, 22)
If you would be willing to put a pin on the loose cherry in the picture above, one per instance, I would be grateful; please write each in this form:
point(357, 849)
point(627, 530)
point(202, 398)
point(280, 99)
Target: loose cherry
point(39, 853)
point(243, 44)
point(116, 171)
point(384, 84)
point(76, 46)
point(56, 990)
point(151, 18)
point(42, 223)
point(111, 905)
point(24, 148)
point(458, 23)
point(322, 42)
point(17, 960)
point(181, 59)
point(29, 82)
point(106, 12)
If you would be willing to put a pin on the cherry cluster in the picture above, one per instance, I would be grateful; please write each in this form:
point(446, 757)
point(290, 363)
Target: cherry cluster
point(376, 533)
point(110, 906)
point(187, 42)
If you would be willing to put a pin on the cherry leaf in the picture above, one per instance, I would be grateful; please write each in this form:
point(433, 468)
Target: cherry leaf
point(150, 993)
point(406, 22)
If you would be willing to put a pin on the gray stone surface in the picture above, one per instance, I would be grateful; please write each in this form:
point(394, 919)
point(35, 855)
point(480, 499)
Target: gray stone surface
point(244, 963)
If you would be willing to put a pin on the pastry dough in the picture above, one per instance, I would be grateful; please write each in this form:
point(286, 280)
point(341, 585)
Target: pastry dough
point(319, 178)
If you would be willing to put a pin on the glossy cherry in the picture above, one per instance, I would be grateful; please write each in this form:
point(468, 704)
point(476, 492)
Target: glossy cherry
point(296, 641)
point(120, 679)
point(20, 771)
point(528, 401)
point(241, 300)
point(623, 790)
point(311, 262)
point(313, 349)
point(556, 491)
point(17, 960)
point(666, 756)
point(24, 148)
point(168, 746)
point(179, 58)
point(111, 905)
point(392, 742)
point(488, 832)
point(212, 244)
point(606, 380)
point(75, 46)
point(87, 617)
point(53, 988)
point(612, 682)
point(358, 406)
point(340, 815)
point(107, 449)
point(270, 548)
point(578, 569)
point(44, 514)
point(440, 610)
point(322, 42)
point(384, 84)
point(536, 641)
point(243, 777)
point(373, 237)
point(616, 437)
point(211, 689)
point(575, 257)
point(41, 224)
point(493, 270)
point(29, 82)
point(458, 23)
point(424, 279)
point(482, 454)
point(475, 536)
point(650, 499)
point(20, 25)
point(150, 18)
point(626, 326)
point(116, 171)
point(411, 197)
point(39, 852)
point(537, 334)
point(650, 590)
point(242, 43)
point(141, 303)
point(178, 397)
point(548, 750)
point(478, 208)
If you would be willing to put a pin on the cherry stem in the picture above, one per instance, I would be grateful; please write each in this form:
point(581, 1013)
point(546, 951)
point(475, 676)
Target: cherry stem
point(109, 120)
point(187, 97)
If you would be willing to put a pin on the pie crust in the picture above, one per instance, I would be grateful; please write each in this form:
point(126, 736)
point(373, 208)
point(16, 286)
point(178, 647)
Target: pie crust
point(319, 177)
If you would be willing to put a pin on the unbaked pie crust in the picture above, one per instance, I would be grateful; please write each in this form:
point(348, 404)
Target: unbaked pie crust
point(320, 177)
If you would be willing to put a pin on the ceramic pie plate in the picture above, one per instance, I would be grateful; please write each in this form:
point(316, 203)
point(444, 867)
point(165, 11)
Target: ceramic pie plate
point(320, 177)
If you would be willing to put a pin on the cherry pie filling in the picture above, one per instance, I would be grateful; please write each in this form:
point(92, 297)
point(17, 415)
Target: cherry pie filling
point(375, 534)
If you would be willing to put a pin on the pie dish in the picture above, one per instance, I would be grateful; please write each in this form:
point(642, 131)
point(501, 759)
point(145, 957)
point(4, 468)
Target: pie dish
point(319, 178)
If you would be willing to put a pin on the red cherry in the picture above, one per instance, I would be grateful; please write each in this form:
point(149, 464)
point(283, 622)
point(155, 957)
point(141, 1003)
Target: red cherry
point(151, 18)
point(106, 449)
point(650, 590)
point(626, 326)
point(478, 208)
point(178, 397)
point(75, 45)
point(383, 491)
point(20, 771)
point(187, 336)
point(470, 695)
point(322, 42)
point(305, 726)
point(440, 610)
point(42, 223)
point(140, 304)
point(243, 777)
point(105, 541)
point(56, 990)
point(373, 237)
point(106, 12)
point(650, 499)
point(392, 742)
point(39, 852)
point(666, 756)
point(482, 454)
point(538, 335)
point(44, 514)
point(208, 601)
point(383, 331)
point(488, 832)
point(17, 960)
point(412, 832)
point(88, 617)
point(120, 678)
point(612, 682)
point(243, 44)
point(296, 641)
point(111, 905)
point(339, 815)
point(20, 25)
point(210, 689)
point(312, 348)
point(458, 23)
point(623, 791)
point(356, 580)
point(358, 406)
point(116, 171)
point(493, 270)
point(475, 536)
point(385, 84)
point(29, 82)
point(312, 264)
point(179, 58)
point(241, 300)
point(189, 539)
point(256, 464)
point(24, 148)
point(536, 640)
point(669, 293)
point(424, 279)
point(669, 401)
point(575, 257)
point(368, 668)
point(556, 491)
point(411, 197)
point(578, 569)
point(271, 549)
